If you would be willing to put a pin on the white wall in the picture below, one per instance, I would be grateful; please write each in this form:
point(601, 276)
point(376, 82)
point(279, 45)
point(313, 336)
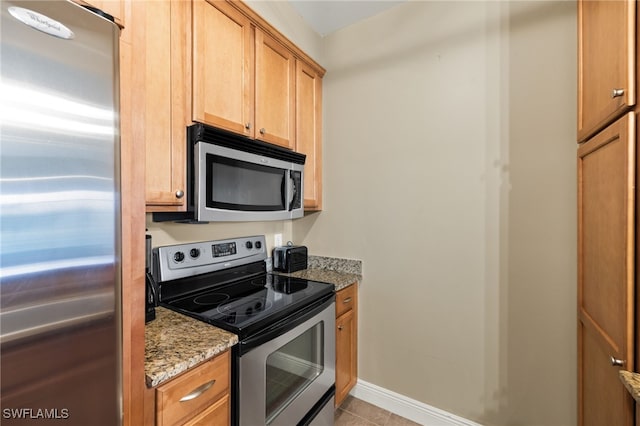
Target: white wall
point(449, 164)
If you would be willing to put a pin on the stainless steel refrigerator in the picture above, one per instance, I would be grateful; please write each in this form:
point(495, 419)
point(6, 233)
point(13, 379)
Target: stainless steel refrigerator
point(60, 327)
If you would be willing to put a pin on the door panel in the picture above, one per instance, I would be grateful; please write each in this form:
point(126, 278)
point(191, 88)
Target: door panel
point(275, 102)
point(223, 67)
point(606, 61)
point(606, 208)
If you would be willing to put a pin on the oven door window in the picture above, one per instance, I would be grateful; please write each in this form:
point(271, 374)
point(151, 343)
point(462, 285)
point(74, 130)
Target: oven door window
point(239, 185)
point(292, 368)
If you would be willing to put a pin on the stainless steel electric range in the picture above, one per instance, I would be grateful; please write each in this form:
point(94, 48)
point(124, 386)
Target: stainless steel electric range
point(283, 369)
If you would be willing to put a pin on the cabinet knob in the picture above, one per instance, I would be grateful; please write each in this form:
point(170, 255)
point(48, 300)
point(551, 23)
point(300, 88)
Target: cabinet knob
point(340, 327)
point(617, 362)
point(179, 193)
point(247, 126)
point(616, 93)
point(263, 131)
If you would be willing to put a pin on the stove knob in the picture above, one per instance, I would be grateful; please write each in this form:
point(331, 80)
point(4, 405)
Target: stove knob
point(249, 245)
point(178, 256)
point(194, 253)
point(258, 245)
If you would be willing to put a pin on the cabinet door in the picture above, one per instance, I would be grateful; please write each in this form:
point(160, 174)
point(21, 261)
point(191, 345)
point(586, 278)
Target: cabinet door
point(309, 132)
point(275, 101)
point(606, 210)
point(606, 62)
point(160, 108)
point(216, 415)
point(346, 355)
point(223, 67)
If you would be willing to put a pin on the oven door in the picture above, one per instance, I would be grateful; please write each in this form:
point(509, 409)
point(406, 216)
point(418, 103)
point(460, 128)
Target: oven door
point(282, 379)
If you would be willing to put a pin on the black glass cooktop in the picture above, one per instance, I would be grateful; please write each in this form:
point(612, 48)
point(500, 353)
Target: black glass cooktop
point(247, 306)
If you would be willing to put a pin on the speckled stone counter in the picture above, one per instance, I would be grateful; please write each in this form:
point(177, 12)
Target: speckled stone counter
point(339, 272)
point(632, 383)
point(174, 343)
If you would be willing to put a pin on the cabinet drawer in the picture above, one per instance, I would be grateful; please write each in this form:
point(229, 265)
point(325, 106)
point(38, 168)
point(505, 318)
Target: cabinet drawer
point(216, 415)
point(346, 299)
point(187, 395)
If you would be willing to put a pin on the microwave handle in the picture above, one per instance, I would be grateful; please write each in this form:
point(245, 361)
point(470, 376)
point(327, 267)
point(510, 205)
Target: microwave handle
point(284, 191)
point(293, 190)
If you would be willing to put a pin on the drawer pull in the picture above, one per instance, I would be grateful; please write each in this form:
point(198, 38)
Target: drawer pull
point(197, 391)
point(347, 300)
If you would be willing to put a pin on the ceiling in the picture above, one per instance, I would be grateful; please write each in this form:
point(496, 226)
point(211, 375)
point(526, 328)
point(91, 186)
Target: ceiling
point(327, 16)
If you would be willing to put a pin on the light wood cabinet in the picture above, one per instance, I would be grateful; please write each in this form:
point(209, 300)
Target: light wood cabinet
point(606, 63)
point(243, 78)
point(606, 275)
point(223, 67)
point(218, 63)
point(346, 341)
point(217, 414)
point(275, 95)
point(161, 60)
point(309, 132)
point(197, 397)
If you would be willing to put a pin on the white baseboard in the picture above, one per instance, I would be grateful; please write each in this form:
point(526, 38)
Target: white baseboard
point(407, 407)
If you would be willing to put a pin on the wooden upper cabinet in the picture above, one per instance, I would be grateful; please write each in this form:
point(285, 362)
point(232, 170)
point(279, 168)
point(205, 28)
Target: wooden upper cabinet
point(275, 96)
point(309, 132)
point(223, 67)
point(606, 277)
point(243, 78)
point(606, 63)
point(162, 97)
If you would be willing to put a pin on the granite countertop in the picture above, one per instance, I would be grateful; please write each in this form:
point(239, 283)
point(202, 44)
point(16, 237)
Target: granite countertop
point(339, 272)
point(174, 343)
point(339, 279)
point(632, 383)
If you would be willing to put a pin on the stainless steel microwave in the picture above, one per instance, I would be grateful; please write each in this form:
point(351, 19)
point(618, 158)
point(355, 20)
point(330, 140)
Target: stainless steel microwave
point(233, 178)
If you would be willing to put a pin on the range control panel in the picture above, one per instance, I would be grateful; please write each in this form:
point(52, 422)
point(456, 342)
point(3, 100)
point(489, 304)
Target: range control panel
point(185, 260)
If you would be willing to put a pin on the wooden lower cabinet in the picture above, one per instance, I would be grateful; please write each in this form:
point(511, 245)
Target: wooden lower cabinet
point(217, 414)
point(346, 341)
point(199, 396)
point(606, 273)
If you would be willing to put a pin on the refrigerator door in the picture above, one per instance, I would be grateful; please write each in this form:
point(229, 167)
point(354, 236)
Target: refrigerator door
point(60, 329)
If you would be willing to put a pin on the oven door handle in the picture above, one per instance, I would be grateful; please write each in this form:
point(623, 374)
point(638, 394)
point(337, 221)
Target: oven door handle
point(286, 324)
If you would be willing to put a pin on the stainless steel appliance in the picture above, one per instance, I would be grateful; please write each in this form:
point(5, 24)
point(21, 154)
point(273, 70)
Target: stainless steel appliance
point(283, 369)
point(59, 215)
point(151, 288)
point(290, 258)
point(232, 178)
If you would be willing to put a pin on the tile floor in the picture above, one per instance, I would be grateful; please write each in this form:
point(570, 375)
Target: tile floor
point(355, 412)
